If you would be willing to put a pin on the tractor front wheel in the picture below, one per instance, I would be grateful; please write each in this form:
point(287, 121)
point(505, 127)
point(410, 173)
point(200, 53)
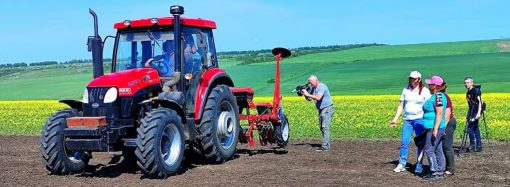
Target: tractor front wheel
point(219, 128)
point(57, 159)
point(160, 143)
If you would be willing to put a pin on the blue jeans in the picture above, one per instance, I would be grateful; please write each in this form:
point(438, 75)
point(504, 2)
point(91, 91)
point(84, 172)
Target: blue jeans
point(474, 133)
point(407, 132)
point(434, 151)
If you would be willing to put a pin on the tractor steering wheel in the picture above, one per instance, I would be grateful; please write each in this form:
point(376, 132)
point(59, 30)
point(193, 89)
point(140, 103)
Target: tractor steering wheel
point(162, 67)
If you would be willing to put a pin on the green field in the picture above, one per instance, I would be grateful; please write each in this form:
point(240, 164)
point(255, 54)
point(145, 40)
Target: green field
point(360, 71)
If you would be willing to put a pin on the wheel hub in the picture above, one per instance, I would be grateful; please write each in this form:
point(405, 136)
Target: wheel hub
point(225, 124)
point(170, 144)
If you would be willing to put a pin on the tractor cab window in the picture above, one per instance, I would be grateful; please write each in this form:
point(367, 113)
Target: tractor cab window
point(196, 51)
point(192, 59)
point(146, 49)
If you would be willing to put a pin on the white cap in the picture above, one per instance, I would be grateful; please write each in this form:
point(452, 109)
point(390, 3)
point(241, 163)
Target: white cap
point(415, 74)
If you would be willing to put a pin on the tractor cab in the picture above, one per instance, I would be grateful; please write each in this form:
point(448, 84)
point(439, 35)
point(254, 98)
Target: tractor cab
point(182, 56)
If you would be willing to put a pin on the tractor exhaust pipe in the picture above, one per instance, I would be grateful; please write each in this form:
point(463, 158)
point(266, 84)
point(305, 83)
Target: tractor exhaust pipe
point(95, 45)
point(177, 11)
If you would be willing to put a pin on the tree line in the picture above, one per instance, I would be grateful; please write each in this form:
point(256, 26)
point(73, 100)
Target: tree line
point(264, 55)
point(45, 63)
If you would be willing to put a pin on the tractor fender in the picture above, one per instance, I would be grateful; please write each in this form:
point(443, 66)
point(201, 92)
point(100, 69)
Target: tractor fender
point(208, 80)
point(171, 105)
point(74, 104)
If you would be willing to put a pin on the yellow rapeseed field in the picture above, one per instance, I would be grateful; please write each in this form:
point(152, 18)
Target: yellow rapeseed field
point(355, 116)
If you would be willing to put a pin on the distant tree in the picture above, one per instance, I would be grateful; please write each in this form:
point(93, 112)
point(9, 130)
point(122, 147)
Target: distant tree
point(43, 63)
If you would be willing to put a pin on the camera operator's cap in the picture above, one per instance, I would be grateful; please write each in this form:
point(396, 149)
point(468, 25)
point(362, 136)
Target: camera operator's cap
point(415, 74)
point(435, 80)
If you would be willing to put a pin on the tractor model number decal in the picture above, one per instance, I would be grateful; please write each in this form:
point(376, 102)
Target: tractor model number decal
point(125, 90)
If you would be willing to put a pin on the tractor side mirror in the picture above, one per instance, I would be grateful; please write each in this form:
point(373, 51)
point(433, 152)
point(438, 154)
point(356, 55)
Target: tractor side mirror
point(202, 40)
point(89, 43)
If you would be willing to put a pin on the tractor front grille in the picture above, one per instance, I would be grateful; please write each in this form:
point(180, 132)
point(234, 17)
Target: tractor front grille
point(96, 95)
point(96, 107)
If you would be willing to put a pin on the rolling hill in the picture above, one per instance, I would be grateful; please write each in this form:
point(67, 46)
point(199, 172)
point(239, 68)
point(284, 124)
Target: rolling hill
point(368, 70)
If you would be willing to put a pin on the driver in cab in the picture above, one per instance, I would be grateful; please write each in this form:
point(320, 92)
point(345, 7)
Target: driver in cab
point(167, 66)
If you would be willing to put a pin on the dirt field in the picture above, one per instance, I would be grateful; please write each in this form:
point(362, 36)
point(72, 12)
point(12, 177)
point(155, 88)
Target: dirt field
point(349, 163)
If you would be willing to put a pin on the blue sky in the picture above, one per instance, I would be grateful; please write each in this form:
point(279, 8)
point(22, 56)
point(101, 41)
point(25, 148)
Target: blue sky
point(34, 31)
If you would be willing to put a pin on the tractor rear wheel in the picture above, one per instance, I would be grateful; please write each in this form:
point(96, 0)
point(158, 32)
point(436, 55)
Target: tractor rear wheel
point(219, 128)
point(282, 132)
point(160, 143)
point(57, 159)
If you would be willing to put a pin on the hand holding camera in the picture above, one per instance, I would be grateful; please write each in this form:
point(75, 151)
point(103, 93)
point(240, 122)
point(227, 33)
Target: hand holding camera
point(300, 88)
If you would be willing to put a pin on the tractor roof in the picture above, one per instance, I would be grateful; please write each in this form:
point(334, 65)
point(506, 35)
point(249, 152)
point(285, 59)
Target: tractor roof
point(166, 21)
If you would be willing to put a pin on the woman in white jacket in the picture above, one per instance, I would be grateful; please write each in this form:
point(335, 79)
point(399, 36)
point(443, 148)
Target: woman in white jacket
point(411, 102)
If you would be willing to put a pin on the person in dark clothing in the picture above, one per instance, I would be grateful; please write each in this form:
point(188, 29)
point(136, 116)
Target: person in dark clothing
point(451, 125)
point(474, 99)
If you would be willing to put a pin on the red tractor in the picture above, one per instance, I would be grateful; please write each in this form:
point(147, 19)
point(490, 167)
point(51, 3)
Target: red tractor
point(165, 95)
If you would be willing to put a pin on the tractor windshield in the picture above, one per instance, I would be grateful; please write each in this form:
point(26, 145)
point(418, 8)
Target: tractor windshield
point(146, 49)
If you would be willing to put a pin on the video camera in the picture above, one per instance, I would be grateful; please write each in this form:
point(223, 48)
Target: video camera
point(299, 88)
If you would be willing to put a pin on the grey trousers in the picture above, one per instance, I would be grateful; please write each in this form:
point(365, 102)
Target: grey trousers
point(325, 117)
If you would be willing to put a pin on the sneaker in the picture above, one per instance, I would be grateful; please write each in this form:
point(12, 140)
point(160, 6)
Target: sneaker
point(431, 177)
point(448, 173)
point(440, 176)
point(418, 169)
point(400, 168)
point(478, 149)
point(322, 149)
point(471, 149)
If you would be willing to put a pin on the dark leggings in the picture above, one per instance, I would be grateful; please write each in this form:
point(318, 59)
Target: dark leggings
point(448, 145)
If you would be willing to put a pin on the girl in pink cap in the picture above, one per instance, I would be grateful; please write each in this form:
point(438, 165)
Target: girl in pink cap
point(434, 122)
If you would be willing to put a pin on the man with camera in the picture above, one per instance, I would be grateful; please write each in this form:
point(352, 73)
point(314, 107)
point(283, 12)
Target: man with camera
point(324, 104)
point(474, 99)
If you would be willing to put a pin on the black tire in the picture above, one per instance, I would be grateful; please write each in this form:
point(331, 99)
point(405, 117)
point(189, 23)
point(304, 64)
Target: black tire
point(282, 132)
point(57, 160)
point(217, 147)
point(158, 127)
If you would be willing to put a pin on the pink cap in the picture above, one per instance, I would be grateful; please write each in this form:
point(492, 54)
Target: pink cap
point(435, 80)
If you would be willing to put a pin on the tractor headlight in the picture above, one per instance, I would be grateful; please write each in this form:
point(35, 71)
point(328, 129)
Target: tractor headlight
point(110, 96)
point(85, 96)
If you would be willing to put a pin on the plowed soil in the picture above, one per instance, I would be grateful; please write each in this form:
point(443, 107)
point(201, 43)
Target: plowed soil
point(349, 163)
